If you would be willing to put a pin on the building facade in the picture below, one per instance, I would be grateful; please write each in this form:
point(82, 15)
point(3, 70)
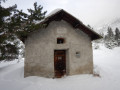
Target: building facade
point(59, 49)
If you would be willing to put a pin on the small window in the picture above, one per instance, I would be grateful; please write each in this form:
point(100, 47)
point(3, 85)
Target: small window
point(60, 40)
point(78, 54)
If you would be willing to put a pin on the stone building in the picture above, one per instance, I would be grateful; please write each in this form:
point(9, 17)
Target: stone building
point(63, 47)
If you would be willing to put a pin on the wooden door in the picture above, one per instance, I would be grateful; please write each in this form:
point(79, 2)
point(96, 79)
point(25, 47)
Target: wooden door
point(59, 63)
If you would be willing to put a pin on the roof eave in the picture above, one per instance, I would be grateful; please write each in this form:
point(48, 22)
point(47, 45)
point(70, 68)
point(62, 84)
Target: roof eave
point(75, 23)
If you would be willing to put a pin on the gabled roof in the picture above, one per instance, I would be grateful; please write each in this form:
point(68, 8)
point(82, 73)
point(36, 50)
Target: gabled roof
point(60, 14)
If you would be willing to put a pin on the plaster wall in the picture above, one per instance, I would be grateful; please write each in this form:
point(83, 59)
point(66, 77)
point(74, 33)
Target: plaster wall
point(40, 46)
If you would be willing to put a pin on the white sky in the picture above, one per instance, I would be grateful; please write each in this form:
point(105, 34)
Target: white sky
point(88, 11)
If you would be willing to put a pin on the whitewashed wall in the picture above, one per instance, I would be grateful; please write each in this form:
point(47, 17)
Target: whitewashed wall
point(40, 46)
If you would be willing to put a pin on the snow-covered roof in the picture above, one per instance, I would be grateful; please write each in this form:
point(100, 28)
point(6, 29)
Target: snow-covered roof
point(57, 11)
point(50, 14)
point(60, 14)
point(53, 12)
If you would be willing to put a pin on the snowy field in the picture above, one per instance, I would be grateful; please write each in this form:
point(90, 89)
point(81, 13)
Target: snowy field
point(106, 63)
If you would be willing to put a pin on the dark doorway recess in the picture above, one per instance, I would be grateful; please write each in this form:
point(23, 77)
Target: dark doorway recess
point(59, 63)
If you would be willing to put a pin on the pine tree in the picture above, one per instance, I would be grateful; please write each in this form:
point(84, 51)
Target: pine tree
point(8, 44)
point(110, 33)
point(29, 23)
point(110, 39)
point(117, 36)
point(16, 24)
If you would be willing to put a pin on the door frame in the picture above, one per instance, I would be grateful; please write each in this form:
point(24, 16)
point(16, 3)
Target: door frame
point(55, 62)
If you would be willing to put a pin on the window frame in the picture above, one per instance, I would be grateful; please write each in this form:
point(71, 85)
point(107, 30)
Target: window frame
point(60, 39)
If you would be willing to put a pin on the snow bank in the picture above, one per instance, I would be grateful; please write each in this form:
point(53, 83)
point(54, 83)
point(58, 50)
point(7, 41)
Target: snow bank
point(106, 62)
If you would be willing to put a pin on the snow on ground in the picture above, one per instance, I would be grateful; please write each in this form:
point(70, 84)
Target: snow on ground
point(106, 63)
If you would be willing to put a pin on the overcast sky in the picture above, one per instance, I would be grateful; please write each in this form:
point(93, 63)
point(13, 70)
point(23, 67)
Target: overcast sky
point(88, 11)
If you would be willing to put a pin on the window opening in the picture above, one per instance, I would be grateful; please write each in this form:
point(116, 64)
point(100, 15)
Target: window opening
point(60, 40)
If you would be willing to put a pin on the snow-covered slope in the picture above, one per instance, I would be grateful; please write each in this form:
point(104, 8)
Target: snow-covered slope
point(102, 27)
point(106, 62)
